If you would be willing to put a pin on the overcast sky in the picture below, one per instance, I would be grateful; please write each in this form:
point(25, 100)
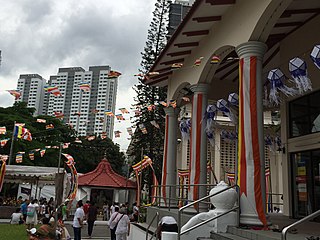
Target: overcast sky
point(39, 36)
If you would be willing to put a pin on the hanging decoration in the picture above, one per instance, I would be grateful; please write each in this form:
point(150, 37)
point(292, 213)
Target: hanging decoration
point(173, 103)
point(176, 65)
point(113, 74)
point(209, 117)
point(215, 60)
point(91, 138)
point(276, 79)
point(53, 90)
point(153, 73)
point(50, 126)
point(65, 145)
point(233, 99)
point(42, 152)
point(228, 135)
point(3, 130)
point(3, 142)
point(77, 140)
point(84, 86)
point(120, 117)
point(21, 132)
point(138, 167)
point(19, 157)
point(74, 178)
point(222, 105)
point(163, 103)
point(39, 120)
point(109, 113)
point(155, 124)
point(103, 135)
point(3, 160)
point(185, 129)
point(58, 115)
point(298, 71)
point(315, 55)
point(268, 142)
point(31, 155)
point(197, 63)
point(15, 93)
point(151, 107)
point(123, 110)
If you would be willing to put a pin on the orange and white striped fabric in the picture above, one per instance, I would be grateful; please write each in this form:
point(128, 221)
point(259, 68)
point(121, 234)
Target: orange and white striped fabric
point(249, 172)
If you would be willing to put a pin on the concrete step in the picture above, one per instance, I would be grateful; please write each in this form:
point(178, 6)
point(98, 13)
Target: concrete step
point(225, 236)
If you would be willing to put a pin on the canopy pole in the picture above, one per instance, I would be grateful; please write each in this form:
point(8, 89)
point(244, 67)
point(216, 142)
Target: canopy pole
point(12, 143)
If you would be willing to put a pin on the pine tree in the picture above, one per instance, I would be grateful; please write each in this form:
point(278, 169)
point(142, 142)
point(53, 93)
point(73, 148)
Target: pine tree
point(151, 144)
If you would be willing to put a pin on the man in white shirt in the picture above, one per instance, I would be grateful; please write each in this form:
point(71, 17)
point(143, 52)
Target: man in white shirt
point(16, 217)
point(167, 224)
point(78, 221)
point(32, 214)
point(123, 225)
point(112, 223)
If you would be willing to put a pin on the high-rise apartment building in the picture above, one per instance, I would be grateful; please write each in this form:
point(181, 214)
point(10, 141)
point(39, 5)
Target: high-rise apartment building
point(85, 110)
point(31, 87)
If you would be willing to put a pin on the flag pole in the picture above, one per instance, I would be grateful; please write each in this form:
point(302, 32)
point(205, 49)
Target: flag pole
point(59, 162)
point(12, 143)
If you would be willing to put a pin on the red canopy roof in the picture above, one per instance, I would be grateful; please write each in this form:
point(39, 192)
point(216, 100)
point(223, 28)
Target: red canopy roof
point(104, 176)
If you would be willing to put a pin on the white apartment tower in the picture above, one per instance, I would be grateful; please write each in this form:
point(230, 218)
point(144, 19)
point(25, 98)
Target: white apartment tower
point(78, 106)
point(31, 87)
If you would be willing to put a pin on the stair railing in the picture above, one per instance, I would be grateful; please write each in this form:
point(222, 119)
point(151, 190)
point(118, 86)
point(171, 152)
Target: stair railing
point(156, 216)
point(307, 218)
point(237, 208)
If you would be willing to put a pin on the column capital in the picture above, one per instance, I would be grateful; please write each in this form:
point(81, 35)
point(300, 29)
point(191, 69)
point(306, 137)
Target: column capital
point(171, 111)
point(200, 88)
point(251, 48)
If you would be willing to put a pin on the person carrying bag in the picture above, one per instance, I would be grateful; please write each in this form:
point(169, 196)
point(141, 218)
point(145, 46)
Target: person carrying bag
point(112, 224)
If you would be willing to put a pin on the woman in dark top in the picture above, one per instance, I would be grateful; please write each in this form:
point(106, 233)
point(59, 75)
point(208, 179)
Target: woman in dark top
point(92, 216)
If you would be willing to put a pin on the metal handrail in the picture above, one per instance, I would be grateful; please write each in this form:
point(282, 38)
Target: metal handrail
point(211, 219)
point(285, 230)
point(147, 231)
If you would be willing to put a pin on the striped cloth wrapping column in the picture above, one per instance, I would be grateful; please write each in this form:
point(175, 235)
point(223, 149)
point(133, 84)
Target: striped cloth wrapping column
point(249, 171)
point(164, 164)
point(195, 145)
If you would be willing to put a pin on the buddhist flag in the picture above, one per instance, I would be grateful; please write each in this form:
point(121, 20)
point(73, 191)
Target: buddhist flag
point(163, 103)
point(215, 60)
point(58, 114)
point(54, 90)
point(101, 119)
point(39, 120)
point(153, 73)
point(77, 140)
point(155, 124)
point(15, 93)
point(50, 126)
point(117, 134)
point(109, 113)
point(84, 86)
point(123, 110)
point(77, 114)
point(3, 142)
point(173, 103)
point(27, 135)
point(176, 65)
point(120, 117)
point(70, 160)
point(129, 130)
point(42, 152)
point(21, 132)
point(91, 138)
point(19, 158)
point(3, 130)
point(65, 145)
point(31, 155)
point(150, 107)
point(113, 74)
point(197, 62)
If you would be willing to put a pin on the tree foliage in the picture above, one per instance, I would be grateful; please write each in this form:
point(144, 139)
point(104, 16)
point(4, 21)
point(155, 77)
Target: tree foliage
point(151, 144)
point(87, 155)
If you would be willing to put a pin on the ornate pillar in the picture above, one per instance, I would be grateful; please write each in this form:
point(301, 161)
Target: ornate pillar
point(169, 167)
point(251, 162)
point(198, 142)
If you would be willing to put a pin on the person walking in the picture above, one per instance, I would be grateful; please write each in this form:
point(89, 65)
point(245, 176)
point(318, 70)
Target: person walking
point(64, 210)
point(135, 212)
point(123, 225)
point(24, 207)
point(78, 221)
point(112, 224)
point(32, 214)
point(92, 216)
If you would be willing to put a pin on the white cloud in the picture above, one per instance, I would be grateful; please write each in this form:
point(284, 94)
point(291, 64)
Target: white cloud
point(41, 36)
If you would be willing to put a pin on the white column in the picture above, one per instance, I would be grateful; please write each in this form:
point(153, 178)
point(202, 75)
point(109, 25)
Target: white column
point(169, 168)
point(116, 195)
point(251, 161)
point(198, 144)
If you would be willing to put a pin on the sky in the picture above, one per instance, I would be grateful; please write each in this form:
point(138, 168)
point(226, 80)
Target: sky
point(40, 36)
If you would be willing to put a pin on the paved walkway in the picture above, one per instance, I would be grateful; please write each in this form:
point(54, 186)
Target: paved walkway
point(100, 230)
